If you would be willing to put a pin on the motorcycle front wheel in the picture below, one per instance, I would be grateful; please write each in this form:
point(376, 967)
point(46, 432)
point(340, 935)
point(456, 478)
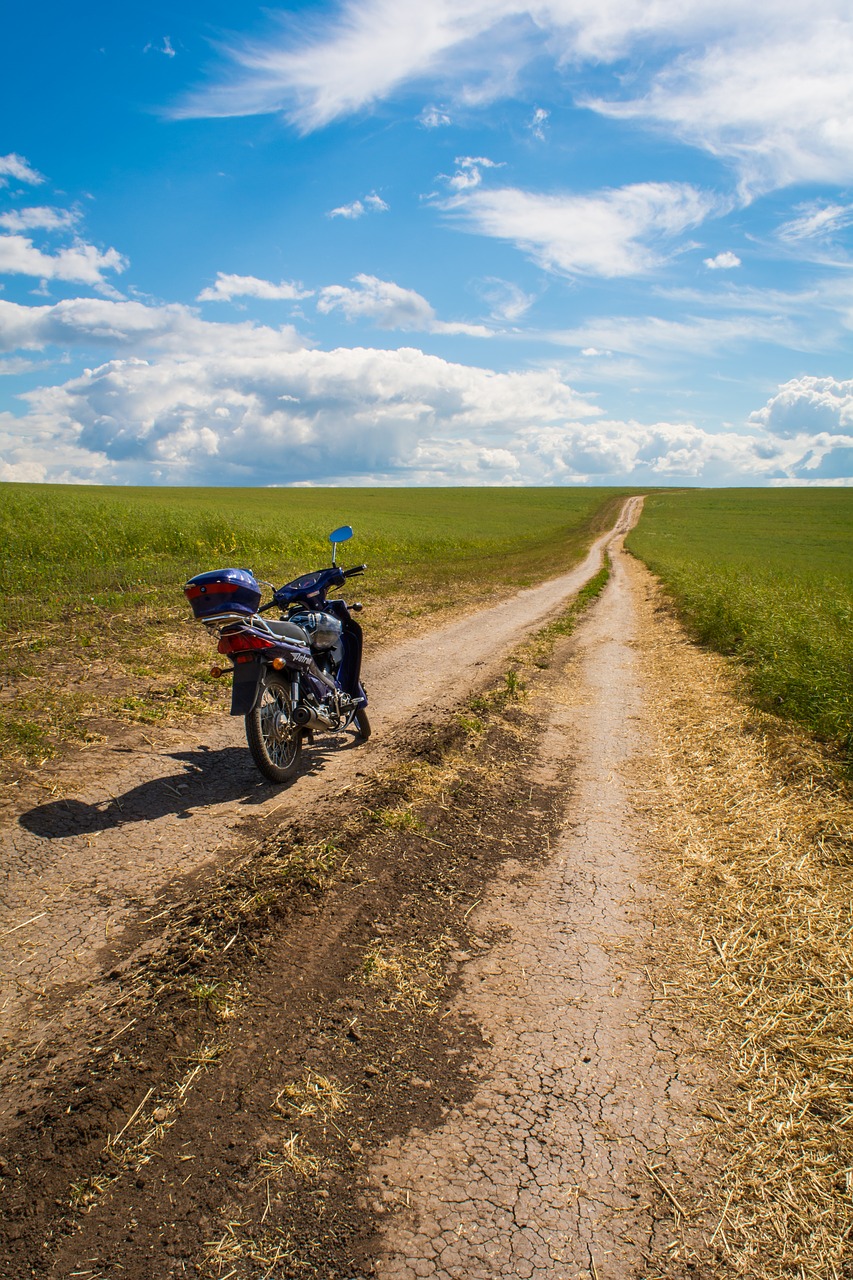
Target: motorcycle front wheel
point(274, 740)
point(362, 724)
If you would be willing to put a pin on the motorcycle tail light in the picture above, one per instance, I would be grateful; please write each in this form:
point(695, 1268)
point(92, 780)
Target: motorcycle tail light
point(243, 640)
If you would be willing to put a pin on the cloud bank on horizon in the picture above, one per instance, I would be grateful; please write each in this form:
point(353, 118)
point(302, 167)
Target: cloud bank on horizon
point(480, 242)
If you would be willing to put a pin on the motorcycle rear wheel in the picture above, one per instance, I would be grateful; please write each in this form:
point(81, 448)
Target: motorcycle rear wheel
point(275, 742)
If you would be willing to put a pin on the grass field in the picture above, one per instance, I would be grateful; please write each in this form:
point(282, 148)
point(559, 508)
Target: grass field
point(766, 575)
point(96, 626)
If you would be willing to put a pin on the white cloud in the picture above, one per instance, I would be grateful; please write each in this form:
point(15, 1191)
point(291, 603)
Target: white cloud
point(724, 261)
point(434, 118)
point(283, 417)
point(165, 48)
point(219, 403)
point(770, 90)
point(14, 166)
point(469, 172)
point(780, 108)
point(696, 335)
point(227, 287)
point(816, 221)
point(81, 264)
point(83, 323)
point(537, 123)
point(39, 217)
point(390, 306)
point(507, 301)
point(370, 204)
point(808, 406)
point(622, 232)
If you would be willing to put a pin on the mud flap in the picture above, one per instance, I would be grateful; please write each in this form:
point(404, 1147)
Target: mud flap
point(248, 682)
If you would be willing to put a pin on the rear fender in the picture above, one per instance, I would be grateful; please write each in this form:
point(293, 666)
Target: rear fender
point(249, 680)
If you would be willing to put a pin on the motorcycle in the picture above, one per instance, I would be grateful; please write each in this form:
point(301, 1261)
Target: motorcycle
point(291, 675)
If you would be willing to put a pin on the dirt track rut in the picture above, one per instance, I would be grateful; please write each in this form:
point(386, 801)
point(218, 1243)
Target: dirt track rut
point(586, 1086)
point(79, 868)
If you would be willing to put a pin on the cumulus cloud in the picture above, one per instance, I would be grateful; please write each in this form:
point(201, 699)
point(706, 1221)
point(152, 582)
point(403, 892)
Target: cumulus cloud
point(622, 232)
point(227, 287)
point(39, 217)
point(724, 261)
point(285, 417)
point(390, 306)
point(14, 166)
point(83, 323)
point(369, 204)
point(192, 401)
point(808, 406)
point(362, 416)
point(81, 264)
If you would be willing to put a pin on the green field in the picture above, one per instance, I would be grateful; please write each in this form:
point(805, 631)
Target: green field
point(766, 575)
point(96, 626)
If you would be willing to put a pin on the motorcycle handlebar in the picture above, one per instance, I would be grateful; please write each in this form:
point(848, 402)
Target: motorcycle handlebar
point(351, 573)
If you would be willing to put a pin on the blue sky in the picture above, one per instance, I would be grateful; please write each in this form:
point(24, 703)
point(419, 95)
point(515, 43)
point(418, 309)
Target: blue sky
point(453, 241)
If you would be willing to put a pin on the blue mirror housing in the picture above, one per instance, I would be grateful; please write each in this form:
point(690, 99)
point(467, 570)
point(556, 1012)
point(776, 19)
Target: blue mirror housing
point(341, 535)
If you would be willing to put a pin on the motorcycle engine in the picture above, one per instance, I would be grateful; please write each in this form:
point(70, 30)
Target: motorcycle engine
point(323, 629)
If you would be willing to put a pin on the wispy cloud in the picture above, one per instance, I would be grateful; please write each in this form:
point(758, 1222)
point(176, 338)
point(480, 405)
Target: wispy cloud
point(390, 306)
point(434, 118)
point(623, 232)
point(15, 166)
point(696, 335)
point(537, 123)
point(165, 47)
point(816, 221)
point(776, 108)
point(770, 92)
point(226, 287)
point(507, 301)
point(368, 204)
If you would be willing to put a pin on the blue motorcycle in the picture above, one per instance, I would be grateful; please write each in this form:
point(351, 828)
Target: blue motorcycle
point(293, 674)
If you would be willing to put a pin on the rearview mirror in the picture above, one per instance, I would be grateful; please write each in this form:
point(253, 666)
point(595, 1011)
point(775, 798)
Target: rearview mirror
point(339, 535)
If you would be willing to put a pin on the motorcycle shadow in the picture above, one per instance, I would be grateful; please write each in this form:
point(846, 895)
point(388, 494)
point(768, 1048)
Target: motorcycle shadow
point(206, 778)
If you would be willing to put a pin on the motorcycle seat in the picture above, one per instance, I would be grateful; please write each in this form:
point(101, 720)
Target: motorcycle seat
point(287, 630)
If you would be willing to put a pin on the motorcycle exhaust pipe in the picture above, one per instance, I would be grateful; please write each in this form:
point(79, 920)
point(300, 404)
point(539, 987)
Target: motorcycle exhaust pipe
point(307, 718)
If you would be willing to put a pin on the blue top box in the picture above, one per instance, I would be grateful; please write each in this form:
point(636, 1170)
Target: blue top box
point(223, 591)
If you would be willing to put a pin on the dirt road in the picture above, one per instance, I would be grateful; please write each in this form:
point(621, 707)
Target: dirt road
point(586, 1085)
point(122, 827)
point(541, 1151)
point(549, 984)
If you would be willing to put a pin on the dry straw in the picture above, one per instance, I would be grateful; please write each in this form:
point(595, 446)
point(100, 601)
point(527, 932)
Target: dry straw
point(758, 826)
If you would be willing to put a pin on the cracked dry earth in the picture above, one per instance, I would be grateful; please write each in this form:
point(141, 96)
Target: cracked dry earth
point(585, 1109)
